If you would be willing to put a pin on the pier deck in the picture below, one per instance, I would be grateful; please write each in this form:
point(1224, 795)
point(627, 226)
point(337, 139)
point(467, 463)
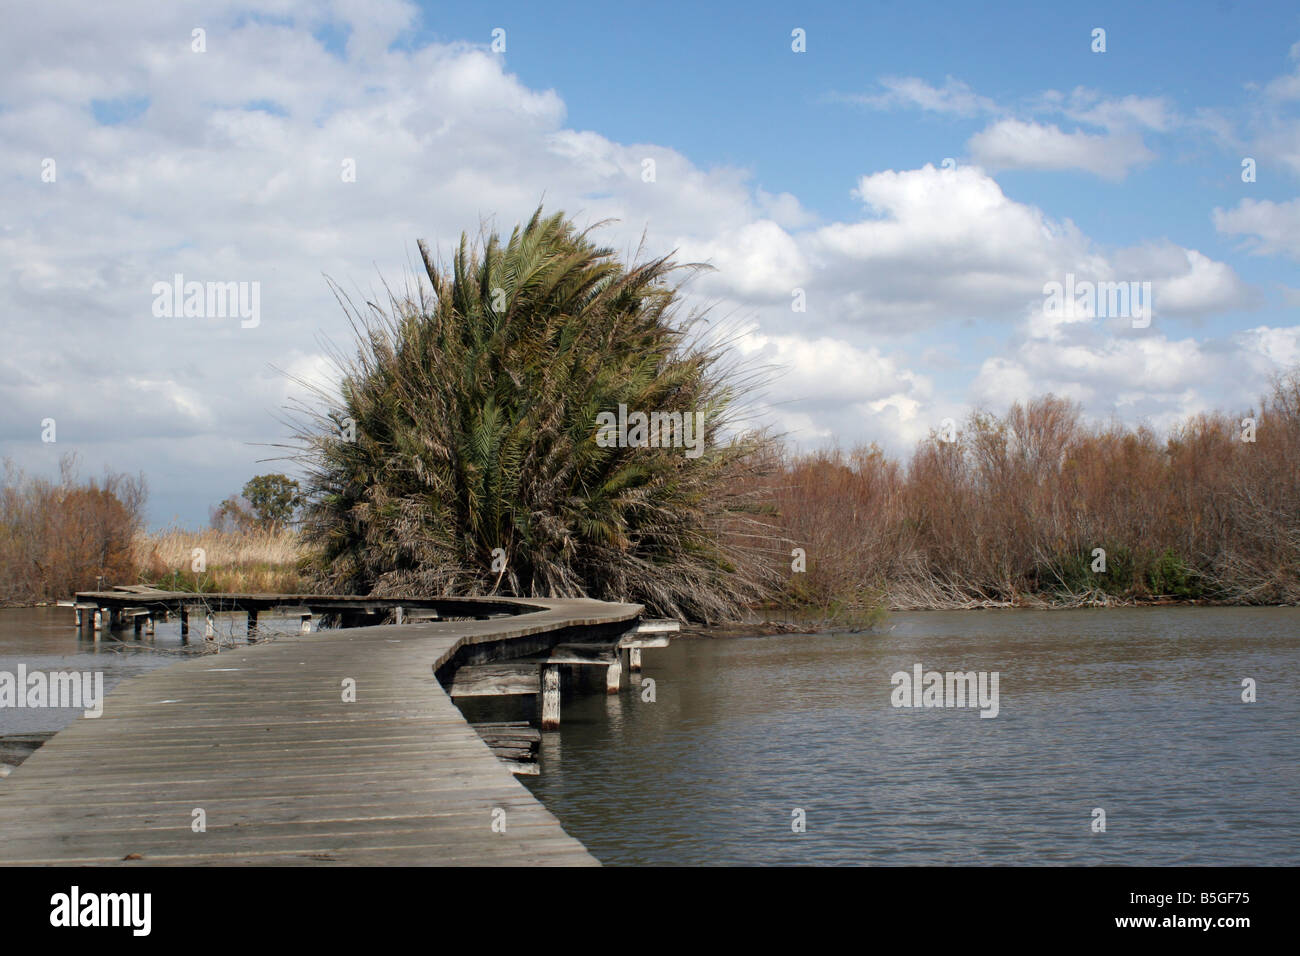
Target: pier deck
point(259, 742)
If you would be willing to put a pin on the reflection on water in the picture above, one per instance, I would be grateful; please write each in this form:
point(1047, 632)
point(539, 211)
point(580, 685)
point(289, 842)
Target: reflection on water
point(1136, 711)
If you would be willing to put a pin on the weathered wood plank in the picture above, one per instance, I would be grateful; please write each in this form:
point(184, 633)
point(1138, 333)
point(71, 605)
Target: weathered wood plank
point(489, 680)
point(664, 626)
point(285, 768)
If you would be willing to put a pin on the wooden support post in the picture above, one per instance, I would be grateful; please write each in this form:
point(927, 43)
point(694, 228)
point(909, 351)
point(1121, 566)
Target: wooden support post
point(185, 622)
point(304, 623)
point(397, 614)
point(613, 676)
point(634, 659)
point(252, 626)
point(211, 630)
point(149, 625)
point(137, 624)
point(550, 697)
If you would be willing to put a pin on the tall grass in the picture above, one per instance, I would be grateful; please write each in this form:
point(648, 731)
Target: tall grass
point(248, 560)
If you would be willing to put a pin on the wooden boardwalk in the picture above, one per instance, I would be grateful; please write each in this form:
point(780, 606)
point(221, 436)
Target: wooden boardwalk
point(285, 772)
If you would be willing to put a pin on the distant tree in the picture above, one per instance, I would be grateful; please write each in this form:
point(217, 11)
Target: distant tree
point(273, 499)
point(60, 537)
point(233, 514)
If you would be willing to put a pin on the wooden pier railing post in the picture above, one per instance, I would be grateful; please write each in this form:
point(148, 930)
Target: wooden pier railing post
point(86, 621)
point(550, 697)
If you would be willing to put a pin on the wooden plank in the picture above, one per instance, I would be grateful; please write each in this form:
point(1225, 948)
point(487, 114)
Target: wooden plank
point(490, 680)
point(658, 627)
point(641, 642)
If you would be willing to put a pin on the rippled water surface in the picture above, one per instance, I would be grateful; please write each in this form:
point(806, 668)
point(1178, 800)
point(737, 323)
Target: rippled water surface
point(1135, 711)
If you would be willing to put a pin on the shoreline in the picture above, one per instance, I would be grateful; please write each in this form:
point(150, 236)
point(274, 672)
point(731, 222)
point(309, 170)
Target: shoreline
point(779, 626)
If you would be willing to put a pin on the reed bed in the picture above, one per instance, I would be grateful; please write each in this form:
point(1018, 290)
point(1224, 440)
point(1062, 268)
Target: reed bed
point(253, 560)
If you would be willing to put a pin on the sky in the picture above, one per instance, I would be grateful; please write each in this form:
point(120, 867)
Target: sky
point(885, 191)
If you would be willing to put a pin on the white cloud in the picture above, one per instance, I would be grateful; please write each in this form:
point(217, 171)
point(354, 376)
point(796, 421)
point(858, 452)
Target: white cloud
point(1149, 376)
point(1091, 107)
point(829, 388)
point(1280, 345)
point(909, 91)
point(1269, 228)
point(1287, 86)
point(1016, 144)
point(759, 259)
point(1205, 288)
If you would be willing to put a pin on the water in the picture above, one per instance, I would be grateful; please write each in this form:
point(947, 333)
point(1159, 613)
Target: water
point(1135, 711)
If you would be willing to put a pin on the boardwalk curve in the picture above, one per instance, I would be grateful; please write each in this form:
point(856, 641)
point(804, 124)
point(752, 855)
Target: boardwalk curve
point(283, 770)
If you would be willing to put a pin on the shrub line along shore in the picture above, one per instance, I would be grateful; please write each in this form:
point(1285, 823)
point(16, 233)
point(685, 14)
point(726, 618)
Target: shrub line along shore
point(1032, 510)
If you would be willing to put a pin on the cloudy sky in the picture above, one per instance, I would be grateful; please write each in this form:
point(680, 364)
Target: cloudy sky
point(919, 171)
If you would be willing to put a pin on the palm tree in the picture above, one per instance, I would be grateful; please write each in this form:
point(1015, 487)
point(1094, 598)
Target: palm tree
point(461, 454)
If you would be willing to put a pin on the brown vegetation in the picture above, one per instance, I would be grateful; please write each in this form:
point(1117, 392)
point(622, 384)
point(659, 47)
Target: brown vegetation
point(57, 537)
point(1011, 512)
point(248, 560)
point(1008, 514)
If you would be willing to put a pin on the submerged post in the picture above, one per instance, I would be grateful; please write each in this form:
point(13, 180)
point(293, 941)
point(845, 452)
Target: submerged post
point(634, 659)
point(614, 676)
point(550, 697)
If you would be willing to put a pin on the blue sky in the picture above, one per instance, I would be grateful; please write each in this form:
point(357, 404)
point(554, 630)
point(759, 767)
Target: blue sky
point(821, 171)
